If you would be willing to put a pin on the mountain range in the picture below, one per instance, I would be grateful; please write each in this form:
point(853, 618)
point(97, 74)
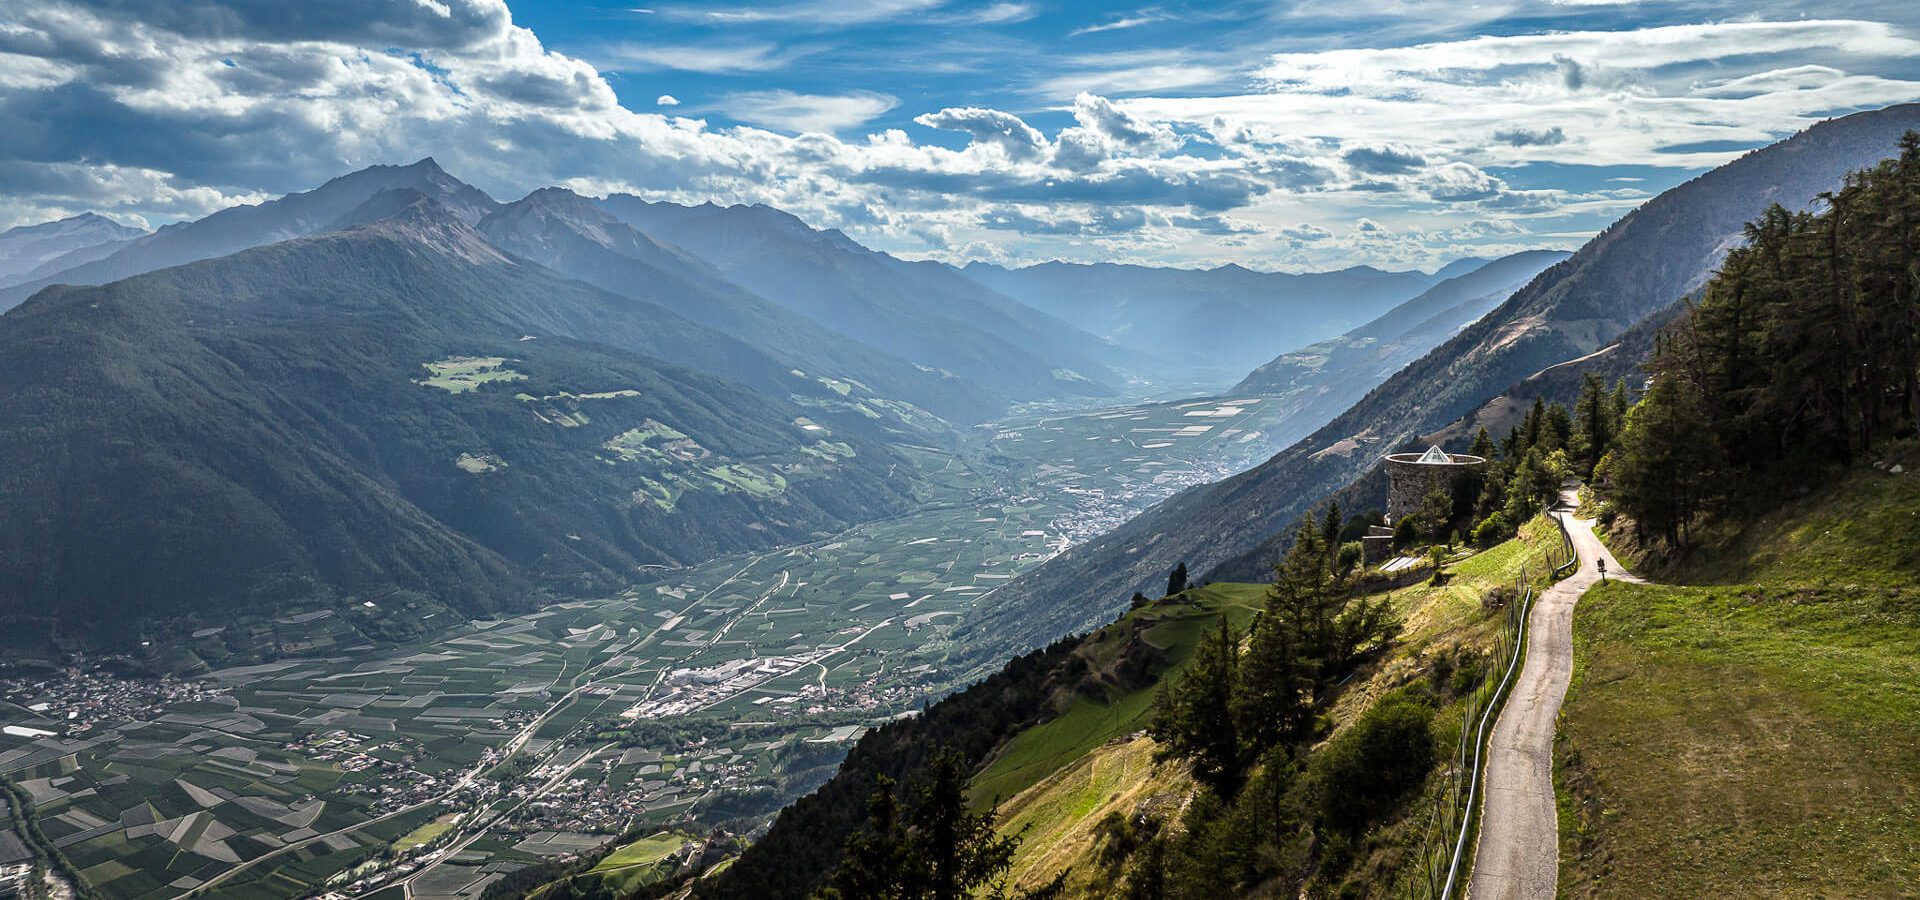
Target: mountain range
point(1637, 268)
point(241, 227)
point(1341, 370)
point(28, 250)
point(390, 411)
point(577, 238)
point(923, 311)
point(1222, 320)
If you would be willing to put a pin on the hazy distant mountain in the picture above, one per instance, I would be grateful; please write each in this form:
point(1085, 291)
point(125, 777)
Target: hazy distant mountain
point(1459, 267)
point(925, 312)
point(1224, 320)
point(241, 227)
point(1636, 269)
point(575, 237)
point(1366, 356)
point(28, 247)
point(390, 413)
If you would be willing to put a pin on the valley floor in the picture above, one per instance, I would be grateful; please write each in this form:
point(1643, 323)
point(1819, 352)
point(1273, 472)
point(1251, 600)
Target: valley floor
point(715, 692)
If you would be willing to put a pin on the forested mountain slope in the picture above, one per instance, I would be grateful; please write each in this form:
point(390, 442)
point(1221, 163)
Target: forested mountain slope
point(1636, 268)
point(575, 237)
point(396, 413)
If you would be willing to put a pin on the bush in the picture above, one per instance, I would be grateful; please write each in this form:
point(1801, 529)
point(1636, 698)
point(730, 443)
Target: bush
point(1492, 530)
point(1364, 773)
point(1350, 556)
point(1406, 533)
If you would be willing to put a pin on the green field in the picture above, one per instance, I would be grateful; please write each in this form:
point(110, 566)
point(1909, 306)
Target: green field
point(424, 834)
point(460, 374)
point(314, 722)
point(1757, 738)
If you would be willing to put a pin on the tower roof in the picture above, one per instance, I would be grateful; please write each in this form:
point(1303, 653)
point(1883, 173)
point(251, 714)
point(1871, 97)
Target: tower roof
point(1435, 455)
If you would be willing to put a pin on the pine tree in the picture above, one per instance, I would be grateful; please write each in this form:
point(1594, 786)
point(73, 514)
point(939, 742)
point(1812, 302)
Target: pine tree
point(1483, 446)
point(1592, 424)
point(878, 862)
point(940, 850)
point(1193, 716)
point(1667, 461)
point(1556, 428)
point(957, 850)
point(1177, 579)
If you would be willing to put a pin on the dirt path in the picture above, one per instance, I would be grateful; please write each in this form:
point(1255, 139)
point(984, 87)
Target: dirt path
point(1519, 851)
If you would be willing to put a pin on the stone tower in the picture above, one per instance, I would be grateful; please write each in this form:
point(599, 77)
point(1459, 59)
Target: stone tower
point(1411, 476)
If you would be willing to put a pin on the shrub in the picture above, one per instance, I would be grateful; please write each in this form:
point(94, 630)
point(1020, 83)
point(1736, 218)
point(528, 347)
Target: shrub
point(1366, 771)
point(1492, 530)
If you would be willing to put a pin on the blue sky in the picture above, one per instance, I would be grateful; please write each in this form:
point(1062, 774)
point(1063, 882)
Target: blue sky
point(1279, 135)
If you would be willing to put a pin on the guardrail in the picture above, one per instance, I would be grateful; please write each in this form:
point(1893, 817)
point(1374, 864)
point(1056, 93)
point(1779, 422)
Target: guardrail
point(1456, 811)
point(1566, 543)
point(1488, 714)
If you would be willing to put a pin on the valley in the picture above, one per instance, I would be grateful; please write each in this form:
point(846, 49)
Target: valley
point(711, 694)
point(946, 449)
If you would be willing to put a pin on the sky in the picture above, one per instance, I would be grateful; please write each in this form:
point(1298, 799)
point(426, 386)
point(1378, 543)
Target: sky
point(1278, 135)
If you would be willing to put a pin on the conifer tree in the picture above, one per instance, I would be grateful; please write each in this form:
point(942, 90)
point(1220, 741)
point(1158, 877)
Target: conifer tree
point(1593, 426)
point(1193, 715)
point(1664, 472)
point(1177, 579)
point(1483, 446)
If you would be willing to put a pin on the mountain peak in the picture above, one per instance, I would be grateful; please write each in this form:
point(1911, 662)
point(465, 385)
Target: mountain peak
point(88, 220)
point(563, 199)
point(410, 215)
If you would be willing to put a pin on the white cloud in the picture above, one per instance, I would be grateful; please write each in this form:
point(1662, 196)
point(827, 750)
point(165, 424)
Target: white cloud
point(813, 12)
point(991, 128)
point(825, 113)
point(991, 14)
point(1414, 139)
point(666, 100)
point(1597, 97)
point(708, 58)
point(1120, 23)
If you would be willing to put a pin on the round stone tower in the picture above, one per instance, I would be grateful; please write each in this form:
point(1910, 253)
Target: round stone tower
point(1412, 476)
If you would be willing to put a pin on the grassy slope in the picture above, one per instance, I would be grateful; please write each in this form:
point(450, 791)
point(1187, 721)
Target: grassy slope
point(1038, 752)
point(1757, 732)
point(1070, 773)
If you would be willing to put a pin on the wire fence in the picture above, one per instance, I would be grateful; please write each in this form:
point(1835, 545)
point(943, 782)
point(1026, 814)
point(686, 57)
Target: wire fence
point(1567, 559)
point(1443, 858)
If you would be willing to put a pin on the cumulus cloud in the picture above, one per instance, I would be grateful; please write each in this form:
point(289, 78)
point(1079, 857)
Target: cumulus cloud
point(1004, 132)
point(1106, 132)
point(1384, 159)
point(170, 110)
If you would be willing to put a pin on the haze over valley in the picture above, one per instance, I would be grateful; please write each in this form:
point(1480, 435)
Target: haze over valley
point(792, 450)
